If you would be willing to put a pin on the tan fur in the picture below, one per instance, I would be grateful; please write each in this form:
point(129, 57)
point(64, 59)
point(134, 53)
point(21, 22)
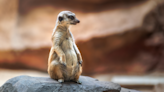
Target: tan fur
point(64, 58)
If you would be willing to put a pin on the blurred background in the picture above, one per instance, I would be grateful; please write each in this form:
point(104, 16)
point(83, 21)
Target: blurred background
point(120, 40)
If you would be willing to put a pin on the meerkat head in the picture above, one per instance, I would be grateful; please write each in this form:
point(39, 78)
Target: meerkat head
point(67, 18)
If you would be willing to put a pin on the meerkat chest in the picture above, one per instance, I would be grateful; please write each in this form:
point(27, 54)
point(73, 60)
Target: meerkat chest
point(67, 46)
point(67, 43)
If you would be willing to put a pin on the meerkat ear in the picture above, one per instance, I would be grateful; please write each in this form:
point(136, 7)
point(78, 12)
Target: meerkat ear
point(60, 18)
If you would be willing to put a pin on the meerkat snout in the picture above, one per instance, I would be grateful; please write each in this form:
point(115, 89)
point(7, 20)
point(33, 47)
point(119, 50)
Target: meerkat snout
point(78, 21)
point(67, 17)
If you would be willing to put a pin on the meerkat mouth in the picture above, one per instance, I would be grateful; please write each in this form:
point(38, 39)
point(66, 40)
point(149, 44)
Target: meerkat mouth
point(73, 23)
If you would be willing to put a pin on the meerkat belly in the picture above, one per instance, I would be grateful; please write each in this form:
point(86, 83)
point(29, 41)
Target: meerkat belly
point(71, 57)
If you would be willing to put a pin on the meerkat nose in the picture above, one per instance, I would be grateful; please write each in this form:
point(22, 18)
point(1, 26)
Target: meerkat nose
point(78, 21)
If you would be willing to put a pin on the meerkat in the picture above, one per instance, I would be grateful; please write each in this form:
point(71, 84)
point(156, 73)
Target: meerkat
point(65, 61)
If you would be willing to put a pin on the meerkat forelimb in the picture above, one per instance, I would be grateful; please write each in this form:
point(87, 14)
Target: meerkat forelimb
point(65, 61)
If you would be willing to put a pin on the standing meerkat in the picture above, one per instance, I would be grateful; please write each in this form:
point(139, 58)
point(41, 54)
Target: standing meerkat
point(65, 61)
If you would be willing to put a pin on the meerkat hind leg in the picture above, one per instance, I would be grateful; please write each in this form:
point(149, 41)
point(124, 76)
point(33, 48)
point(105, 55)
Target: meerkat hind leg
point(77, 75)
point(77, 80)
point(55, 71)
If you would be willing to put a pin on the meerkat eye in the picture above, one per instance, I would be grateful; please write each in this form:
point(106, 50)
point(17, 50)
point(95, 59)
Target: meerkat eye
point(71, 17)
point(60, 18)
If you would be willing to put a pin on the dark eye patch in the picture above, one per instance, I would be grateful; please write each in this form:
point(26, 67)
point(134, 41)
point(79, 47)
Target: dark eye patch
point(61, 18)
point(71, 17)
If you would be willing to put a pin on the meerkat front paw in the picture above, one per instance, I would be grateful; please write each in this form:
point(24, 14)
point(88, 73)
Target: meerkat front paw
point(80, 62)
point(63, 60)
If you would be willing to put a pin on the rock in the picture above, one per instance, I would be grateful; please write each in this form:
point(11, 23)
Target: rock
point(159, 87)
point(45, 84)
point(128, 90)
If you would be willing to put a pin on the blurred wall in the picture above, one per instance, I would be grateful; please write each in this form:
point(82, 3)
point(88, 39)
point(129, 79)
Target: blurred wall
point(114, 36)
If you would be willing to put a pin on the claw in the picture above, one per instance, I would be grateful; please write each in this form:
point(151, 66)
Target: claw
point(80, 62)
point(60, 80)
point(79, 82)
